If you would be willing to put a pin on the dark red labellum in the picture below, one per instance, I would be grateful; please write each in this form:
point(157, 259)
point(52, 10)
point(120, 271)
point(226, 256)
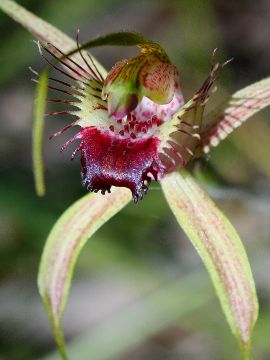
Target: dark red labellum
point(111, 161)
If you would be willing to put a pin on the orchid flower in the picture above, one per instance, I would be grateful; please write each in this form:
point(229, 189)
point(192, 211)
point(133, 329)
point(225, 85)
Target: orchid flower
point(135, 127)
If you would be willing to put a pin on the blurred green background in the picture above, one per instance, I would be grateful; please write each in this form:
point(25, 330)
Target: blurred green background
point(140, 291)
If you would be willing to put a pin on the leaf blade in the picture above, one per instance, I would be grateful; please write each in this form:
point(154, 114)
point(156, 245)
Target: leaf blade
point(65, 241)
point(221, 251)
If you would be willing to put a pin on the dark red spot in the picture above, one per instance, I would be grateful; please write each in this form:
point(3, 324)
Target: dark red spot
point(108, 160)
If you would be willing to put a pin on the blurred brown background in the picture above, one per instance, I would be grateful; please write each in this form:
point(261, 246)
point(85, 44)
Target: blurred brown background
point(140, 291)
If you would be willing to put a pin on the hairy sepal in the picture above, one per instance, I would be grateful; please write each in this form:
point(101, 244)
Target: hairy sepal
point(221, 251)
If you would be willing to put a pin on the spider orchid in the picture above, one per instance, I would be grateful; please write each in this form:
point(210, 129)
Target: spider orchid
point(134, 124)
point(135, 127)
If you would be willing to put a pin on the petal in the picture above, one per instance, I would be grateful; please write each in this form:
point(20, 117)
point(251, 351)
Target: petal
point(42, 30)
point(78, 223)
point(241, 106)
point(220, 249)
